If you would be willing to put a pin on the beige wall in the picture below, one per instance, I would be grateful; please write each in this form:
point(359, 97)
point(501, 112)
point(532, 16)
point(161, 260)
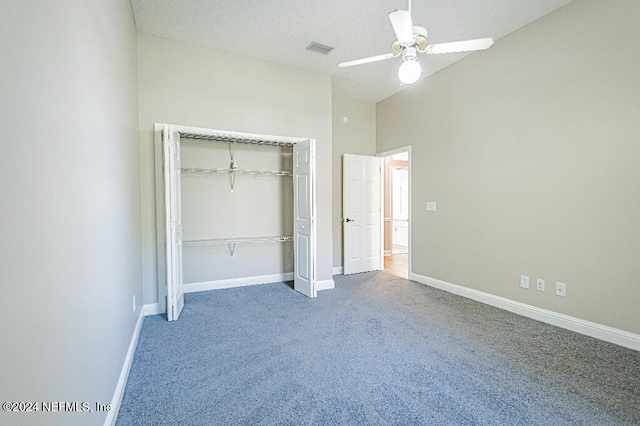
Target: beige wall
point(531, 151)
point(358, 136)
point(70, 212)
point(195, 86)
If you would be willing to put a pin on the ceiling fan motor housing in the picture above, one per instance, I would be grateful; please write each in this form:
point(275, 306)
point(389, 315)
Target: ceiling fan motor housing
point(419, 41)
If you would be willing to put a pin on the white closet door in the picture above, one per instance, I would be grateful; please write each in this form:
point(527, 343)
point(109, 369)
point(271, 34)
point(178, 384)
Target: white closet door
point(362, 216)
point(173, 221)
point(303, 213)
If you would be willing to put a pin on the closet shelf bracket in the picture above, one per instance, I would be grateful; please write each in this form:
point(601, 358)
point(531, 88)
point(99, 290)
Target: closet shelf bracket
point(233, 168)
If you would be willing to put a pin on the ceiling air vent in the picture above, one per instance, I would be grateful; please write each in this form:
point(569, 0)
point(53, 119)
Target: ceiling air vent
point(319, 48)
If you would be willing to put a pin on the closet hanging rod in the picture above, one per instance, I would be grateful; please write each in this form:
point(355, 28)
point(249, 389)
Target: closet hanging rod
point(230, 139)
point(216, 241)
point(203, 171)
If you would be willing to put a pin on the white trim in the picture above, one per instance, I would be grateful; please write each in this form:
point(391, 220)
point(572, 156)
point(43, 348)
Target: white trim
point(325, 285)
point(161, 268)
point(395, 151)
point(112, 414)
point(218, 132)
point(152, 309)
point(237, 282)
point(598, 331)
point(337, 270)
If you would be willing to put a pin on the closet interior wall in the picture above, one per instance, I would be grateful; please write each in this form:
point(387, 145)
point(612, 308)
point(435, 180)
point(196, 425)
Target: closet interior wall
point(245, 206)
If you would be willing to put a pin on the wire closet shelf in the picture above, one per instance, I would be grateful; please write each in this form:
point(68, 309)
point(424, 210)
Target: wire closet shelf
point(204, 171)
point(231, 242)
point(233, 169)
point(237, 139)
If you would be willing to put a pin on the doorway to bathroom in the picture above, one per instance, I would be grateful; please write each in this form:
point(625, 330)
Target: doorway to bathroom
point(396, 211)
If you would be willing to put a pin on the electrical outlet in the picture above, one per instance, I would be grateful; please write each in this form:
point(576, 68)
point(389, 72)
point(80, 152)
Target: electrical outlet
point(524, 281)
point(539, 284)
point(134, 303)
point(561, 289)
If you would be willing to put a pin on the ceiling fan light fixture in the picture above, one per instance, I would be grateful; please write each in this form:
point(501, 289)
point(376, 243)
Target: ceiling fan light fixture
point(411, 40)
point(409, 71)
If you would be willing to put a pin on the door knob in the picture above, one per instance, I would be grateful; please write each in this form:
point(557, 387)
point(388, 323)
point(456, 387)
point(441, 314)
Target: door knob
point(349, 220)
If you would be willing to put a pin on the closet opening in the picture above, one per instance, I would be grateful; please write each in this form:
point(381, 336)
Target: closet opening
point(233, 209)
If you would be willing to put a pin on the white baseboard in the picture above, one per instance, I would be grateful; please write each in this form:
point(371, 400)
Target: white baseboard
point(598, 331)
point(325, 285)
point(236, 282)
point(337, 270)
point(152, 309)
point(112, 414)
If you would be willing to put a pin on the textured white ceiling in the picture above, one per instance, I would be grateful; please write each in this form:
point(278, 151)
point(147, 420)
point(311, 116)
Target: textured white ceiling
point(280, 30)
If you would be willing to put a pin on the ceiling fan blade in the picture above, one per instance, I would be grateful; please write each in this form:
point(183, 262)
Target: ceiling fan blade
point(459, 46)
point(366, 60)
point(402, 25)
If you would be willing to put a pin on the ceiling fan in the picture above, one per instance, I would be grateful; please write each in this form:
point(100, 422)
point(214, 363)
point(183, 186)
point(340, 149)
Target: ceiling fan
point(412, 40)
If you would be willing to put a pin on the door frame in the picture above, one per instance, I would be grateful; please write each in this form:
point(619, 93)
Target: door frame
point(161, 261)
point(385, 154)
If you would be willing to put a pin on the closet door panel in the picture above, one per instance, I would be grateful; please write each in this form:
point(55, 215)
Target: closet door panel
point(303, 266)
point(304, 227)
point(173, 222)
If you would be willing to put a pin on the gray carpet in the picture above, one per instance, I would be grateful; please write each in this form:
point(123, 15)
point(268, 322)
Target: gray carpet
point(376, 350)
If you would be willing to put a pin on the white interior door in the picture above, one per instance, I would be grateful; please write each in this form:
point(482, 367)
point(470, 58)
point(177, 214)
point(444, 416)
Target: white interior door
point(173, 221)
point(362, 215)
point(303, 214)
